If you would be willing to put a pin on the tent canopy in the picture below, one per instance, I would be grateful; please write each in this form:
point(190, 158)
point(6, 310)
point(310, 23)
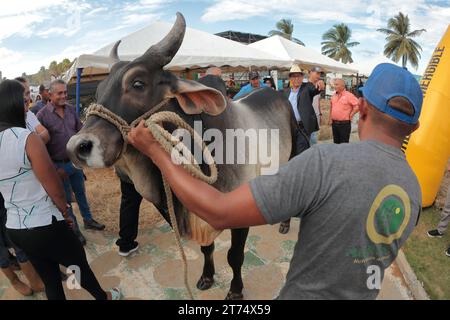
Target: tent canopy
point(306, 57)
point(199, 50)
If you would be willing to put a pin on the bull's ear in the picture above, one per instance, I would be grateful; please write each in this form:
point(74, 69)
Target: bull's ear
point(195, 98)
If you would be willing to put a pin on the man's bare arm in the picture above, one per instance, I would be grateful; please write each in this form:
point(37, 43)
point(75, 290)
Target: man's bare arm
point(43, 133)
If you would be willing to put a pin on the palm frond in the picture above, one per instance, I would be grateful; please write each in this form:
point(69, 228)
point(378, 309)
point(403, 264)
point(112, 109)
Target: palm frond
point(416, 33)
point(386, 31)
point(336, 43)
point(399, 42)
point(298, 41)
point(285, 29)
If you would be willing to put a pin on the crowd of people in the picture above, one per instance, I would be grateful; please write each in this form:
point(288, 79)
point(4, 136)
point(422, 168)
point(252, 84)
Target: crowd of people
point(331, 187)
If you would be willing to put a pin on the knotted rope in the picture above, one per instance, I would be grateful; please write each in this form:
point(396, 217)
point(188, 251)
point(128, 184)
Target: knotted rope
point(182, 155)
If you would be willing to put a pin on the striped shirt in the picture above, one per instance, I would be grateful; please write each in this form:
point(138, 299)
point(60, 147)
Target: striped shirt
point(26, 201)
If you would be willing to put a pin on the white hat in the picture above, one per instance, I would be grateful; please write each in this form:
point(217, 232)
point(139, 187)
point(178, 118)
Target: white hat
point(295, 69)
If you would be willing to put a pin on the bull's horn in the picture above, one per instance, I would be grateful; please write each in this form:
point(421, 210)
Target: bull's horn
point(164, 51)
point(114, 54)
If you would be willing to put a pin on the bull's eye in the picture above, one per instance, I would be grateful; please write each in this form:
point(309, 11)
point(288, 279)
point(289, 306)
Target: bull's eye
point(139, 85)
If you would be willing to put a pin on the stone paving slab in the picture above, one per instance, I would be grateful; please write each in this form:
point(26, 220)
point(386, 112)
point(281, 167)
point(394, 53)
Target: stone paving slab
point(155, 272)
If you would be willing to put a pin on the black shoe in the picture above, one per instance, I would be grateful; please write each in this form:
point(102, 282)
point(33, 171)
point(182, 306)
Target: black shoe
point(435, 234)
point(447, 253)
point(80, 237)
point(94, 225)
point(126, 252)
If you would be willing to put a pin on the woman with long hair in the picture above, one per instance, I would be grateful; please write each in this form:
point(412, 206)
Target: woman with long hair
point(37, 220)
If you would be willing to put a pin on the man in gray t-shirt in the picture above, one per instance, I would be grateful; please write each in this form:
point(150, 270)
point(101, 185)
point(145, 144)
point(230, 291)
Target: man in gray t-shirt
point(358, 202)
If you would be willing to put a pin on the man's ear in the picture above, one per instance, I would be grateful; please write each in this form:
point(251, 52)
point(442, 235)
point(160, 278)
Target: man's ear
point(195, 98)
point(363, 108)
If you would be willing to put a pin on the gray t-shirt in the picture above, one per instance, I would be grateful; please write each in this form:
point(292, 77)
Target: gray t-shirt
point(358, 203)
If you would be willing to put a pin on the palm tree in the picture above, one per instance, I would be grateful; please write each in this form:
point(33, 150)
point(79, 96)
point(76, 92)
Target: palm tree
point(399, 40)
point(285, 28)
point(336, 43)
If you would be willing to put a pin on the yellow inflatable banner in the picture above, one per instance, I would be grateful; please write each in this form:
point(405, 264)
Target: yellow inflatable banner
point(428, 149)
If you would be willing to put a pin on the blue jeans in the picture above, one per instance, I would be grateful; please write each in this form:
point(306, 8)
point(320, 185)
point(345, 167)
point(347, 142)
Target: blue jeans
point(75, 182)
point(313, 139)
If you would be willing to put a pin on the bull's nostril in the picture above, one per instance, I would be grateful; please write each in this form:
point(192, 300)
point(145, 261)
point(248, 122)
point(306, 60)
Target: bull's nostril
point(85, 148)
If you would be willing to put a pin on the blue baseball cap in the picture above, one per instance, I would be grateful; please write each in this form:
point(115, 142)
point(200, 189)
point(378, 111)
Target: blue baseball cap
point(387, 81)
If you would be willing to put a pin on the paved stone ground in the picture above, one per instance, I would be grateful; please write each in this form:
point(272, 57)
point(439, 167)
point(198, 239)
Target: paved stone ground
point(155, 272)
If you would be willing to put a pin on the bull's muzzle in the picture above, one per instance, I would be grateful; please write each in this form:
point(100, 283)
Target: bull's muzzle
point(85, 150)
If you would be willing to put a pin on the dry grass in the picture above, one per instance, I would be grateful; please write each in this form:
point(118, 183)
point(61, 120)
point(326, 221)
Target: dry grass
point(103, 192)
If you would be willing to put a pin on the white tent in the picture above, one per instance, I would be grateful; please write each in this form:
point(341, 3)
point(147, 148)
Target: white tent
point(304, 56)
point(365, 68)
point(199, 50)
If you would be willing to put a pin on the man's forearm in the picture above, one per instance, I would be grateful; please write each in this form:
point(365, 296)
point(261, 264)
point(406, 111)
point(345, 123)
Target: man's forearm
point(43, 133)
point(354, 111)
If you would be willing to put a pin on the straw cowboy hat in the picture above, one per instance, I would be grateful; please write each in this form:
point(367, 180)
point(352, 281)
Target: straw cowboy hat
point(295, 69)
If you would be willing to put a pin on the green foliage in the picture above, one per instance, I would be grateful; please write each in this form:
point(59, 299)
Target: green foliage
point(55, 69)
point(285, 29)
point(399, 41)
point(336, 43)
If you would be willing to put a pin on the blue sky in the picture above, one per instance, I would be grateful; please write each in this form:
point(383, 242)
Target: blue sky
point(34, 33)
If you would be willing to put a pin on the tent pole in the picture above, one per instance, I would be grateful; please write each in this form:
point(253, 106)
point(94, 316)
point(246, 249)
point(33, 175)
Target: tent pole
point(79, 72)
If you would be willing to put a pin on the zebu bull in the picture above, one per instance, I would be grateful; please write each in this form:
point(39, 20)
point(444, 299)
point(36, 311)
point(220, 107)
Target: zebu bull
point(132, 88)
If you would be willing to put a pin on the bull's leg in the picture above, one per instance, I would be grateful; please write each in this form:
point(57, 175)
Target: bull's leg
point(235, 260)
point(207, 279)
point(285, 226)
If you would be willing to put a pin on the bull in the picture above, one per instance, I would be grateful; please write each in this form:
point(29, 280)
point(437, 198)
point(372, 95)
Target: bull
point(132, 88)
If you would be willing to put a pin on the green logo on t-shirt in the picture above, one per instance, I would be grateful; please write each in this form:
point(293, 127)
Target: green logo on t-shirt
point(389, 215)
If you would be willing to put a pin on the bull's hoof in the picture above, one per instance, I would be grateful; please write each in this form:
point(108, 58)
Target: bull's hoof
point(234, 296)
point(205, 283)
point(284, 227)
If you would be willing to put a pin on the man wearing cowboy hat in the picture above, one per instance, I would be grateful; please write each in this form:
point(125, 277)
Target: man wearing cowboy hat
point(301, 97)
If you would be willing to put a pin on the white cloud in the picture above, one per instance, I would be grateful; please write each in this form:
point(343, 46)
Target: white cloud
point(96, 11)
point(25, 17)
point(21, 25)
point(368, 12)
point(135, 19)
point(8, 56)
point(14, 8)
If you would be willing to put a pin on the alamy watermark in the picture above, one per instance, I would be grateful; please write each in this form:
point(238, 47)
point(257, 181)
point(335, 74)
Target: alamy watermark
point(374, 279)
point(73, 281)
point(260, 147)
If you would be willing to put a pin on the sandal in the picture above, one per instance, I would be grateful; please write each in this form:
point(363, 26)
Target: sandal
point(115, 294)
